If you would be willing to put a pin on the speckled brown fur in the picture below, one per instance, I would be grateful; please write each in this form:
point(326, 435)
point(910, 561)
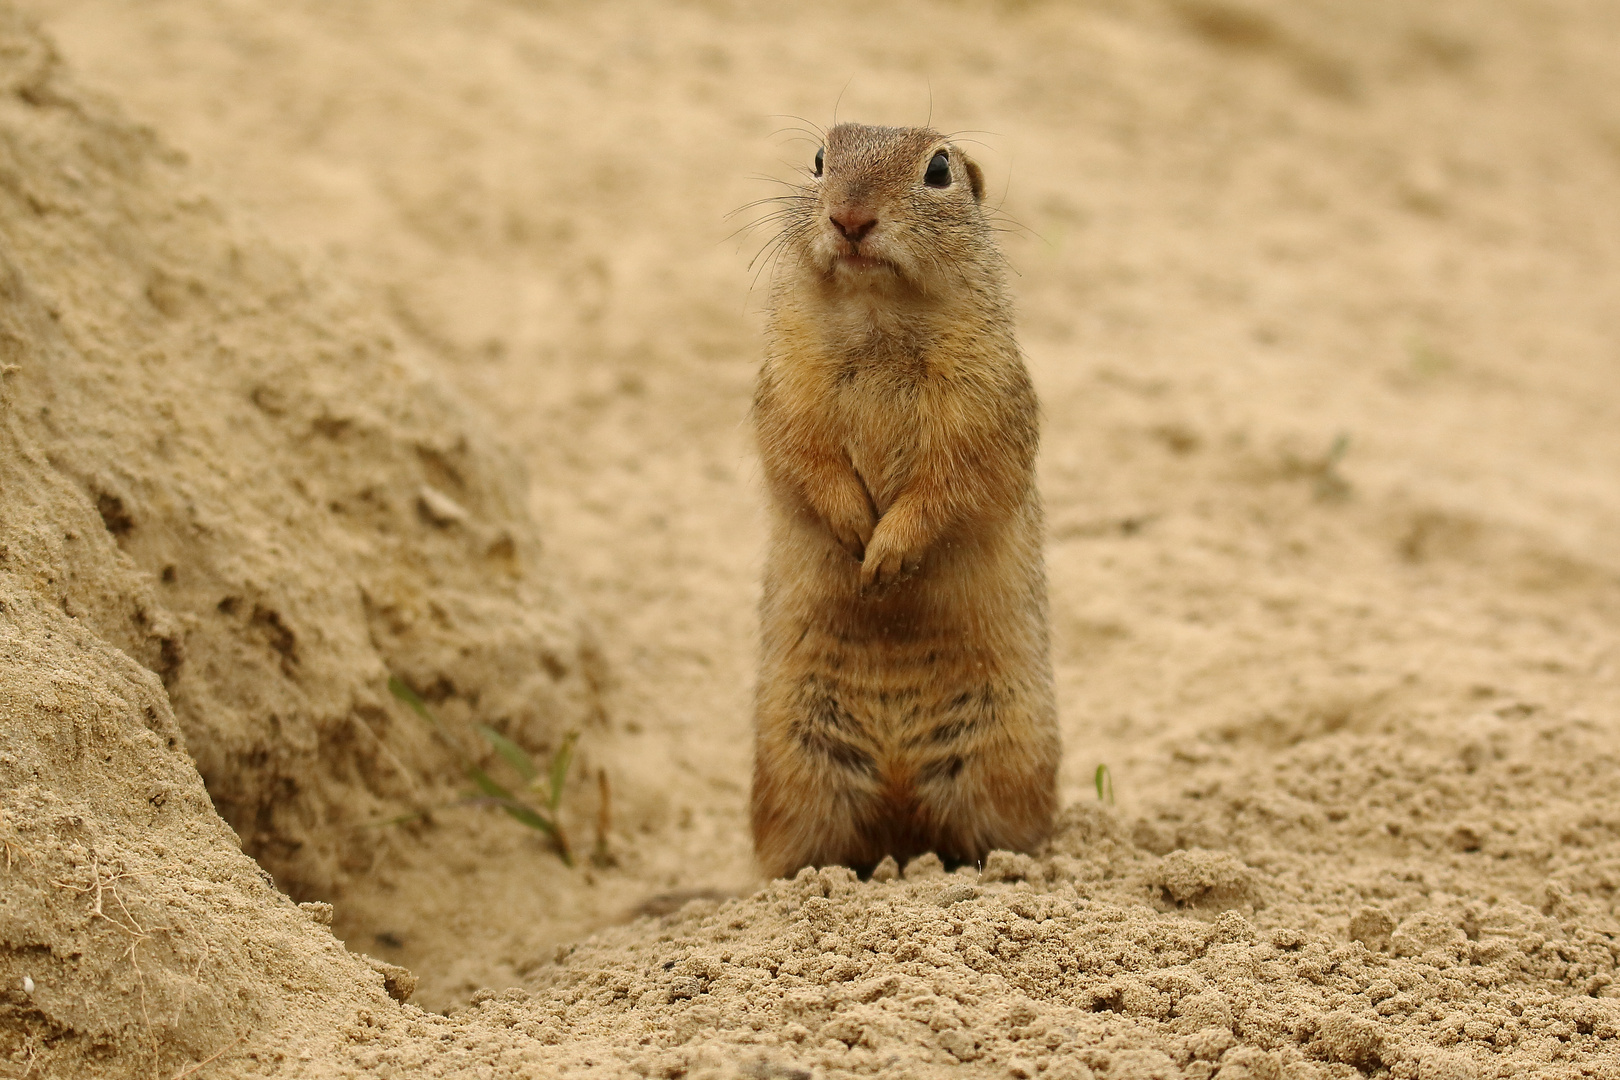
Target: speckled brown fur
point(905, 691)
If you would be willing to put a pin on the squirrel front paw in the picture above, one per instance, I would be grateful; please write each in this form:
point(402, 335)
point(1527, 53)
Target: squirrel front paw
point(886, 563)
point(853, 531)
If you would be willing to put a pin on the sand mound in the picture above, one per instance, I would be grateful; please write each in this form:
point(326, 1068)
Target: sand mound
point(309, 513)
point(231, 510)
point(1315, 942)
point(134, 935)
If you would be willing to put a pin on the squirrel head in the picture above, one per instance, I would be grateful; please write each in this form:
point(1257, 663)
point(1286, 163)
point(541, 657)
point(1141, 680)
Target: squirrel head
point(890, 209)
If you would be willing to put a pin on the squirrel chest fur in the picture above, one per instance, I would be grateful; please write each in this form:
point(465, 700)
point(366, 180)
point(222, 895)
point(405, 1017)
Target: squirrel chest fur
point(905, 696)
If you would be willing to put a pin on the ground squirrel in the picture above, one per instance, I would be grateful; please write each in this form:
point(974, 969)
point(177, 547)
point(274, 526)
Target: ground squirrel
point(905, 697)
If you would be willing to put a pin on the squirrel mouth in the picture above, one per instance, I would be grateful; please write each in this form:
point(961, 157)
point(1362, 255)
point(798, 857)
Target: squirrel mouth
point(856, 261)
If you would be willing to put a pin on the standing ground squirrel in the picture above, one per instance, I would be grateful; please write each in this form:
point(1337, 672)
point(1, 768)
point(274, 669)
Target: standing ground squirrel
point(905, 697)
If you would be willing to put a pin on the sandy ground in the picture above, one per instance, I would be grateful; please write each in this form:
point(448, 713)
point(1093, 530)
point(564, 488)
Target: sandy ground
point(1320, 300)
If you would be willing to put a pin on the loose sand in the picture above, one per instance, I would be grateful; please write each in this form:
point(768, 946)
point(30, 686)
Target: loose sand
point(1320, 299)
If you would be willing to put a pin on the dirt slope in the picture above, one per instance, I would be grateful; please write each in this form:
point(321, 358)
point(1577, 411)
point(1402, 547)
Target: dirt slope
point(231, 510)
point(314, 514)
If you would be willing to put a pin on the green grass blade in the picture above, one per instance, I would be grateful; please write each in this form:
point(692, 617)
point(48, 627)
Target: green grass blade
point(511, 751)
point(559, 768)
point(1336, 452)
point(488, 785)
point(1104, 780)
point(528, 817)
point(408, 696)
point(492, 790)
point(509, 802)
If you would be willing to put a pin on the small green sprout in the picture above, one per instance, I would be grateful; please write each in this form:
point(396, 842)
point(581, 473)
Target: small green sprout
point(547, 785)
point(1329, 483)
point(1104, 779)
point(1429, 360)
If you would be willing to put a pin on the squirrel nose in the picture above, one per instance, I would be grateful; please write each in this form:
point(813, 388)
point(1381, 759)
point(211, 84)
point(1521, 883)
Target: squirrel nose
point(852, 224)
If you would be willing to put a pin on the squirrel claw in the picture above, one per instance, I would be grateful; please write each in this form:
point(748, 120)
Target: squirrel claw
point(878, 575)
point(851, 537)
point(851, 542)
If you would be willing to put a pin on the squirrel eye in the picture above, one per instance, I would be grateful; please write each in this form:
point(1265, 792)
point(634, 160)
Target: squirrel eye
point(939, 171)
point(820, 156)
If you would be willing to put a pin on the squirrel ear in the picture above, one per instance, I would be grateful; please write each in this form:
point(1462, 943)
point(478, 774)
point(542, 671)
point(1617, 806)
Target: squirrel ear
point(975, 177)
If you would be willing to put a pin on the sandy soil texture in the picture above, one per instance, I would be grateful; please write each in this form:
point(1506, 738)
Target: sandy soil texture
point(1320, 299)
